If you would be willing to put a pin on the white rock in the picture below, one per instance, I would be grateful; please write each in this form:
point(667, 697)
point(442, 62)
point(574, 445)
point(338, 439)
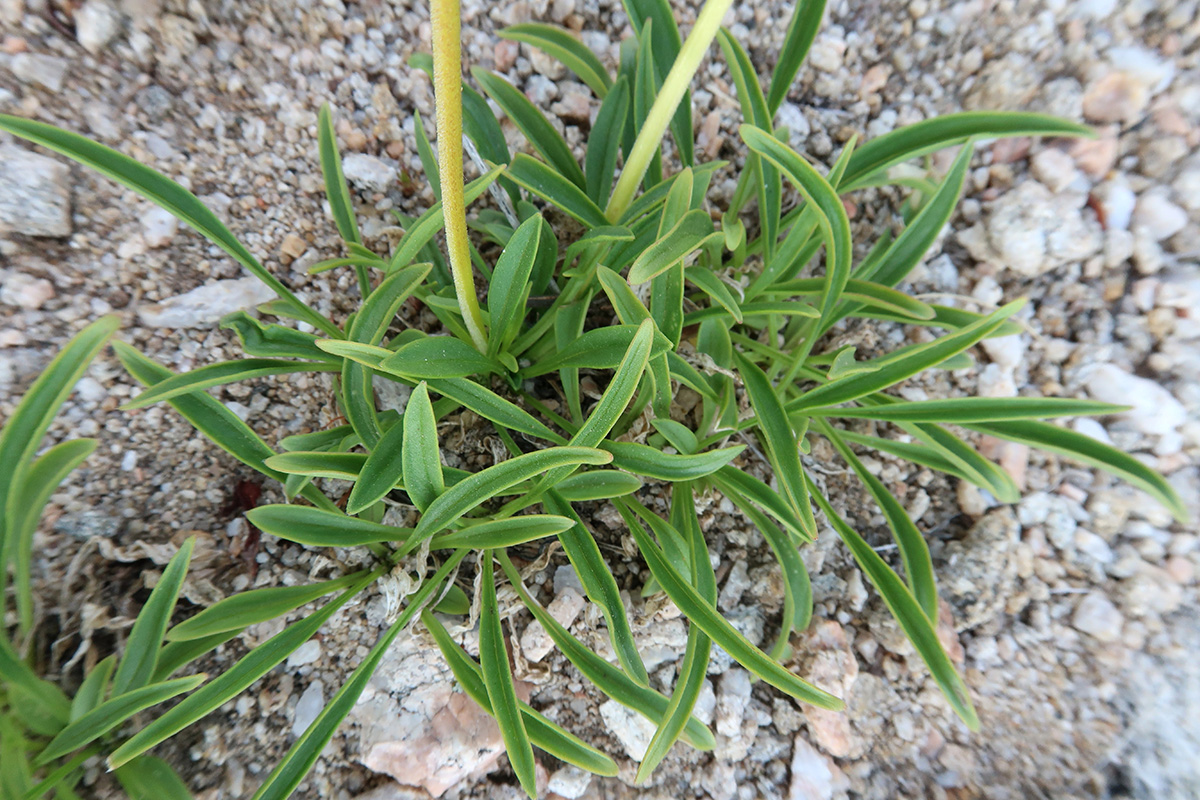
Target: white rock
point(1005, 351)
point(205, 304)
point(1118, 247)
point(1147, 253)
point(632, 730)
point(96, 24)
point(46, 71)
point(1118, 201)
point(1031, 231)
point(996, 381)
point(569, 782)
point(308, 707)
point(1143, 66)
point(129, 461)
point(368, 172)
point(1093, 546)
point(733, 695)
point(306, 653)
point(737, 582)
point(35, 194)
point(1098, 617)
point(706, 703)
point(1158, 216)
point(1187, 188)
point(1155, 411)
point(566, 578)
point(159, 227)
point(826, 53)
point(791, 117)
point(814, 775)
point(1054, 168)
point(1090, 427)
point(565, 608)
point(25, 291)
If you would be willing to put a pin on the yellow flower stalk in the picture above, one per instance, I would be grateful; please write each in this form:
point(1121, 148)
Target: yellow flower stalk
point(447, 94)
point(673, 88)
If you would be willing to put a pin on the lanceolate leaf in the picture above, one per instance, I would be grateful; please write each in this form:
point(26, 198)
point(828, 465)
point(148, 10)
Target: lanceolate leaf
point(381, 472)
point(600, 160)
point(918, 566)
point(141, 649)
point(779, 438)
point(722, 633)
point(379, 311)
point(421, 453)
point(438, 357)
point(969, 410)
point(94, 688)
point(300, 758)
point(162, 191)
point(559, 43)
point(904, 607)
point(554, 188)
point(600, 348)
point(108, 715)
point(802, 29)
point(337, 191)
point(935, 133)
point(499, 533)
point(606, 677)
point(597, 484)
point(665, 42)
point(318, 528)
point(222, 373)
point(508, 289)
point(537, 129)
point(542, 732)
point(1080, 447)
point(687, 236)
point(248, 608)
point(643, 460)
point(272, 341)
point(428, 224)
point(731, 480)
point(150, 778)
point(232, 682)
point(863, 292)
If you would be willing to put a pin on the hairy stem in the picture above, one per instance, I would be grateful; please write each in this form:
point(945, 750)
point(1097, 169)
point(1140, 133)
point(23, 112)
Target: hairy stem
point(447, 93)
point(672, 91)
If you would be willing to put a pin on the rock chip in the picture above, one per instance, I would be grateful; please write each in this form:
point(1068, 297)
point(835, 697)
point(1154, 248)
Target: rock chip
point(368, 172)
point(1116, 97)
point(205, 305)
point(1098, 617)
point(96, 24)
point(981, 569)
point(159, 227)
point(1154, 411)
point(632, 730)
point(46, 71)
point(25, 291)
point(565, 608)
point(814, 775)
point(733, 695)
point(833, 668)
point(569, 782)
point(35, 194)
point(1158, 216)
point(308, 707)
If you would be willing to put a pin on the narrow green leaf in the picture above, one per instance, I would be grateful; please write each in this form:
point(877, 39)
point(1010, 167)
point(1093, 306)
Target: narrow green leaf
point(907, 611)
point(680, 436)
point(893, 370)
point(492, 407)
point(715, 288)
point(174, 656)
point(381, 472)
point(943, 317)
point(420, 450)
point(921, 454)
point(654, 18)
point(604, 143)
point(702, 614)
point(543, 181)
point(438, 357)
point(946, 130)
point(597, 484)
point(232, 682)
point(303, 753)
point(18, 677)
point(758, 308)
point(498, 533)
point(150, 778)
point(211, 418)
point(429, 162)
point(251, 607)
point(319, 528)
point(502, 692)
point(968, 410)
point(162, 191)
point(731, 480)
point(111, 713)
point(419, 233)
point(379, 310)
point(1081, 447)
point(341, 466)
point(918, 566)
point(223, 373)
point(605, 676)
point(651, 463)
point(533, 123)
point(358, 402)
point(600, 586)
point(693, 231)
point(141, 649)
point(561, 44)
point(336, 190)
point(862, 292)
point(272, 341)
point(600, 348)
point(369, 262)
point(493, 481)
point(542, 732)
point(92, 691)
point(801, 31)
point(834, 224)
point(780, 440)
point(509, 287)
point(25, 509)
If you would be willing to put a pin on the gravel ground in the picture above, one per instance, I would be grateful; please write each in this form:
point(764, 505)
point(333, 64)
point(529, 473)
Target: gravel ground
point(1073, 614)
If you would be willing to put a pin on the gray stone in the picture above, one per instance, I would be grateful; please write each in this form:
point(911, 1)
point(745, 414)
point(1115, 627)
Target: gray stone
point(368, 172)
point(25, 291)
point(981, 569)
point(35, 194)
point(569, 782)
point(1154, 411)
point(814, 775)
point(205, 304)
point(49, 72)
point(96, 24)
point(308, 707)
point(632, 730)
point(1098, 617)
point(159, 227)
